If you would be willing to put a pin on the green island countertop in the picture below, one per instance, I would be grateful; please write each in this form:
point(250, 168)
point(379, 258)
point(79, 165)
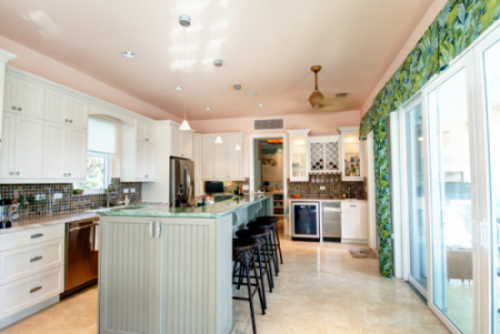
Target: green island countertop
point(216, 210)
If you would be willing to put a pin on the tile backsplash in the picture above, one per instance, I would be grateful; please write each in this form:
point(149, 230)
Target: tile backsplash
point(330, 188)
point(69, 202)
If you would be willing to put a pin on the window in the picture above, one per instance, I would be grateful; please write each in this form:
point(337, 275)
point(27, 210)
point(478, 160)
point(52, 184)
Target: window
point(98, 173)
point(101, 147)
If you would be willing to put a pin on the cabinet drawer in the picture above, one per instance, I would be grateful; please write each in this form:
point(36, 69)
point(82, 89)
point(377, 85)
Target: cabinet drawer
point(352, 206)
point(21, 294)
point(26, 261)
point(30, 237)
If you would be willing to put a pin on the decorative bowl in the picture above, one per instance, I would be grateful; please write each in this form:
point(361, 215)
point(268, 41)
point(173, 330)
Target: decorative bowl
point(297, 196)
point(77, 191)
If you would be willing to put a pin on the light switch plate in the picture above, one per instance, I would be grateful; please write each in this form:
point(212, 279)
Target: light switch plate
point(246, 187)
point(132, 190)
point(58, 196)
point(125, 191)
point(40, 197)
point(322, 187)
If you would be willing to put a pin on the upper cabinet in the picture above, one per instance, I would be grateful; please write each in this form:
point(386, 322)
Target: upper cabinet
point(299, 155)
point(324, 154)
point(138, 157)
point(197, 159)
point(23, 97)
point(221, 162)
point(64, 109)
point(145, 132)
point(181, 144)
point(351, 154)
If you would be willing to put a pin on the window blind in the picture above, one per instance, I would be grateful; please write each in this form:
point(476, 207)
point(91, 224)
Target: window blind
point(101, 135)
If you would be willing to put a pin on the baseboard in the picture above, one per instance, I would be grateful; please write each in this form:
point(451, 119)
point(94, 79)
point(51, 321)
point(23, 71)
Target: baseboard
point(27, 312)
point(355, 241)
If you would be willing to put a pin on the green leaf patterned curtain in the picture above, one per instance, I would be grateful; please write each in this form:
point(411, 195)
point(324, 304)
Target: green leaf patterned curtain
point(456, 27)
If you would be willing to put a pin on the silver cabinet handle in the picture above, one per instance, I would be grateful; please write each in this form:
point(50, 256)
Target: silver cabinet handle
point(13, 107)
point(147, 139)
point(36, 258)
point(17, 173)
point(38, 235)
point(66, 120)
point(20, 109)
point(151, 229)
point(35, 289)
point(157, 229)
point(353, 206)
point(11, 173)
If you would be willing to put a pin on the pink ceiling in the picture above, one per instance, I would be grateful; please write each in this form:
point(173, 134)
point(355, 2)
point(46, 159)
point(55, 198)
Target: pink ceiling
point(267, 47)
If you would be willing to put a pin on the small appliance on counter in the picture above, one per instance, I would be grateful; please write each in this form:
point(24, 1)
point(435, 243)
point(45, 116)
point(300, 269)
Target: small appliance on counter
point(5, 213)
point(214, 187)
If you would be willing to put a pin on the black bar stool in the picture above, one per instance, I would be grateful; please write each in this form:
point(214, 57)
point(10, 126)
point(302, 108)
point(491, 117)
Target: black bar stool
point(276, 234)
point(270, 249)
point(243, 254)
point(259, 236)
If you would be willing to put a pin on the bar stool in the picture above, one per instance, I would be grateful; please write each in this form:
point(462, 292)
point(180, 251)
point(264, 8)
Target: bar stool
point(243, 254)
point(270, 249)
point(276, 234)
point(259, 236)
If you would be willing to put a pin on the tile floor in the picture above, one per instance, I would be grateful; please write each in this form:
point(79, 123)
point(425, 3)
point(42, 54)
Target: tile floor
point(320, 289)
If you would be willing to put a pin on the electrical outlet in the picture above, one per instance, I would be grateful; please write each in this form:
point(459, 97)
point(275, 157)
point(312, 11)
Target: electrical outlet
point(58, 196)
point(322, 187)
point(125, 191)
point(246, 187)
point(40, 197)
point(132, 190)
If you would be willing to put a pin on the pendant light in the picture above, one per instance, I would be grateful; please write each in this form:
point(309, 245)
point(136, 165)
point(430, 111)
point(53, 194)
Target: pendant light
point(218, 63)
point(237, 87)
point(185, 21)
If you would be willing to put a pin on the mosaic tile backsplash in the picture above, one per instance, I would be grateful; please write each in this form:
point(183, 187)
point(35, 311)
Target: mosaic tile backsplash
point(333, 188)
point(69, 202)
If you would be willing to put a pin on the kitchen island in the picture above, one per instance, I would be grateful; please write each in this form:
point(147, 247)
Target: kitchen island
point(169, 270)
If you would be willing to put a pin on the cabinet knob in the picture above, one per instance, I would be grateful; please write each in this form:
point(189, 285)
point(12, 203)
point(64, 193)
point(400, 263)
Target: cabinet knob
point(65, 174)
point(17, 173)
point(147, 139)
point(69, 174)
point(20, 109)
point(66, 120)
point(13, 107)
point(71, 121)
point(11, 173)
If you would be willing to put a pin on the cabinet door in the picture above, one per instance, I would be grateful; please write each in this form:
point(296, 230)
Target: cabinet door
point(8, 145)
point(208, 158)
point(30, 98)
point(150, 162)
point(76, 153)
point(353, 226)
point(221, 160)
point(234, 160)
point(198, 188)
point(150, 133)
point(175, 141)
point(140, 131)
point(186, 144)
point(197, 157)
point(56, 107)
point(140, 160)
point(127, 291)
point(54, 152)
point(78, 113)
point(29, 148)
point(10, 97)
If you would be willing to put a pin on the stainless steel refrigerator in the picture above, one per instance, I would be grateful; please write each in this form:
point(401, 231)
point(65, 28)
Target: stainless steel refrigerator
point(181, 181)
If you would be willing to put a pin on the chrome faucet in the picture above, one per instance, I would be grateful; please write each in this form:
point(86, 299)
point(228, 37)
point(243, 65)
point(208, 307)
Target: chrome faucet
point(111, 190)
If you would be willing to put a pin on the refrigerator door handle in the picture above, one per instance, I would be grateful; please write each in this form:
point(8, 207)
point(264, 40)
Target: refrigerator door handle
point(187, 183)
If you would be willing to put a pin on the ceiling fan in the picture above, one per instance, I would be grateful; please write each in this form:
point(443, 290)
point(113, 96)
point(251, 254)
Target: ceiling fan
point(317, 99)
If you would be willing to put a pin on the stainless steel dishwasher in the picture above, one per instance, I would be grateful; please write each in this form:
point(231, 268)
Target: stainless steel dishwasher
point(82, 255)
point(332, 224)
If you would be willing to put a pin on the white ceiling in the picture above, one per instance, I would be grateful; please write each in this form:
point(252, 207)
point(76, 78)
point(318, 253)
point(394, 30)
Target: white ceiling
point(267, 47)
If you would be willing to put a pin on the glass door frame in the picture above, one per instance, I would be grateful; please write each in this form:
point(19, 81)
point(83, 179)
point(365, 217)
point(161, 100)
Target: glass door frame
point(405, 209)
point(486, 231)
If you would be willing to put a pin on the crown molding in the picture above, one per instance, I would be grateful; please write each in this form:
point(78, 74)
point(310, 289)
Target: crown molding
point(5, 56)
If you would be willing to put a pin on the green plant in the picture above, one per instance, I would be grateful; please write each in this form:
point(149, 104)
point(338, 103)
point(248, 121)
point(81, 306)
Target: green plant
point(22, 202)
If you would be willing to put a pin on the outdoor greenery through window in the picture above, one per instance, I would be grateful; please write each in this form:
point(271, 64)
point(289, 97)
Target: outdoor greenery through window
point(97, 173)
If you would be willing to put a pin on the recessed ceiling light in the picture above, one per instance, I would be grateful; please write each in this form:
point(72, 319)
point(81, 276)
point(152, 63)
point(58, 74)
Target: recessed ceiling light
point(251, 93)
point(177, 88)
point(208, 108)
point(260, 105)
point(129, 54)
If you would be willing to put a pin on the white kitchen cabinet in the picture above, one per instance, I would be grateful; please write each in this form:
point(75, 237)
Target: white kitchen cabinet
point(64, 109)
point(299, 155)
point(150, 161)
point(324, 154)
point(175, 141)
point(186, 144)
point(140, 171)
point(138, 158)
point(23, 97)
point(145, 132)
point(235, 158)
point(351, 154)
point(65, 152)
point(354, 223)
point(221, 162)
point(208, 157)
point(197, 159)
point(22, 149)
point(181, 144)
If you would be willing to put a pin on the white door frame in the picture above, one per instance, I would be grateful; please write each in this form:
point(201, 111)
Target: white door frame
point(251, 154)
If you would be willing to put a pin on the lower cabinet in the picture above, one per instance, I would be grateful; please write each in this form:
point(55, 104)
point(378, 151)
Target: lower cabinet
point(354, 222)
point(165, 276)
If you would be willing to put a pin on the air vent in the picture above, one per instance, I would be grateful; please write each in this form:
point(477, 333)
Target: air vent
point(269, 124)
point(341, 95)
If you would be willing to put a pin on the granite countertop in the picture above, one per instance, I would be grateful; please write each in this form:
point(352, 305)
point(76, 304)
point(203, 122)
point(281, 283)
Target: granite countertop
point(63, 218)
point(216, 210)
